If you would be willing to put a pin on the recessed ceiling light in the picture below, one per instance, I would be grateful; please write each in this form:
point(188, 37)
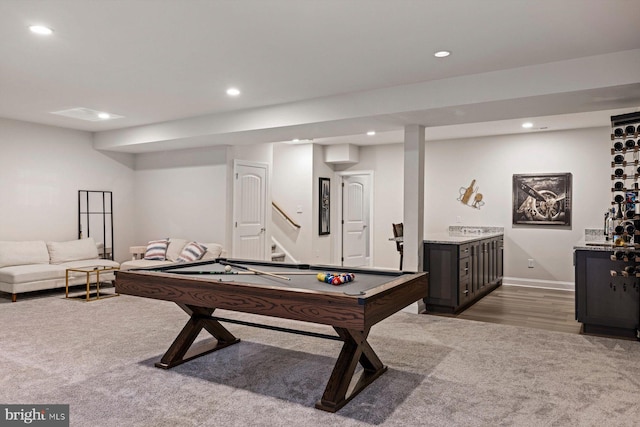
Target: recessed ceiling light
point(527, 125)
point(371, 132)
point(87, 114)
point(41, 29)
point(442, 54)
point(232, 91)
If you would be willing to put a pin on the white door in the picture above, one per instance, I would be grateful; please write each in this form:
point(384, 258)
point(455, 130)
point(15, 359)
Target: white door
point(356, 220)
point(249, 209)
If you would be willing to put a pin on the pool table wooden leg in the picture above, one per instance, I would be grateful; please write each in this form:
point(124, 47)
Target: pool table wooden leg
point(355, 349)
point(181, 350)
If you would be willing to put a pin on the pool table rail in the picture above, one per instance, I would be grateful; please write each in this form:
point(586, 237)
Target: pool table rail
point(335, 309)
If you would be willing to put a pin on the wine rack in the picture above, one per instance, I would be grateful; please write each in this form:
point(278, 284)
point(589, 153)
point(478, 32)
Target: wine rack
point(623, 219)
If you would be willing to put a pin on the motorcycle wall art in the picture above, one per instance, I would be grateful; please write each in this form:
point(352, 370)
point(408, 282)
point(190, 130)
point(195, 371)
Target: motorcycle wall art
point(542, 199)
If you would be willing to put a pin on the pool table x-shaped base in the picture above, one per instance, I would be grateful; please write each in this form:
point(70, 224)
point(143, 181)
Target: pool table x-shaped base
point(355, 349)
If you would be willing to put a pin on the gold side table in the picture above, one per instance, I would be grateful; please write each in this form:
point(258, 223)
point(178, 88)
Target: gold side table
point(88, 271)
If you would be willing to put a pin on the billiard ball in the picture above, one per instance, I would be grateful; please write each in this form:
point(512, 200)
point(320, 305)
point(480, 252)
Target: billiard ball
point(335, 278)
point(227, 268)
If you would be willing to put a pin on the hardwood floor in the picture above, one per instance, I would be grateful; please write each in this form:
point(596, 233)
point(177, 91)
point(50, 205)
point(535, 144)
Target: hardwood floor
point(549, 309)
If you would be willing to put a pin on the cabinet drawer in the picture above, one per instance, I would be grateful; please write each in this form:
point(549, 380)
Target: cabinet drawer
point(464, 292)
point(464, 250)
point(464, 271)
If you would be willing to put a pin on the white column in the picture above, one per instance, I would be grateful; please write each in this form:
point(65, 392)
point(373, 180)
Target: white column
point(413, 197)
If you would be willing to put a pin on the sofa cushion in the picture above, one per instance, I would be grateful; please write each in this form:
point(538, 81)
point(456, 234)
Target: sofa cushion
point(175, 248)
point(31, 273)
point(156, 250)
point(23, 253)
point(72, 250)
point(192, 251)
point(214, 250)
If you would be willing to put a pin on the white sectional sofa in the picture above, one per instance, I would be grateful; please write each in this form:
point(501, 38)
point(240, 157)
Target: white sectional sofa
point(35, 265)
point(174, 248)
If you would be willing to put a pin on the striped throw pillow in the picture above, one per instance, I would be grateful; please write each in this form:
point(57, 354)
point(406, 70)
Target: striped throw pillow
point(192, 251)
point(156, 250)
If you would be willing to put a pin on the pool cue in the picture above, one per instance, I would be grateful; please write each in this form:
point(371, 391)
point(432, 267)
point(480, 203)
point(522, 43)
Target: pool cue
point(204, 272)
point(297, 273)
point(266, 273)
point(244, 273)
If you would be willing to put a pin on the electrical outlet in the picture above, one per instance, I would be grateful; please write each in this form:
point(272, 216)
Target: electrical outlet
point(530, 263)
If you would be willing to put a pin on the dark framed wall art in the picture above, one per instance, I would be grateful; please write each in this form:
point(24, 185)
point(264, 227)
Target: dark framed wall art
point(542, 199)
point(325, 205)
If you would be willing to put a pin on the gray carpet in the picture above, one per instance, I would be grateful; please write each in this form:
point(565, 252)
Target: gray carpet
point(98, 358)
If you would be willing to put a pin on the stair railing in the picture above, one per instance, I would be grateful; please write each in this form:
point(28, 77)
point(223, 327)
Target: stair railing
point(289, 220)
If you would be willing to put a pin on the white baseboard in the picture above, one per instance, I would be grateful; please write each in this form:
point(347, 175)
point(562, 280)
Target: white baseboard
point(534, 283)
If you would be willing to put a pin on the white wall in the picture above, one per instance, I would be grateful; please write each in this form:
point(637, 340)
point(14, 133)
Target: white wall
point(182, 194)
point(186, 193)
point(492, 161)
point(189, 193)
point(387, 163)
point(292, 191)
point(297, 169)
point(41, 170)
point(323, 246)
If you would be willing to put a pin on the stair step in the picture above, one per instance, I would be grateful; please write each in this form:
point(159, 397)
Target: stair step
point(277, 256)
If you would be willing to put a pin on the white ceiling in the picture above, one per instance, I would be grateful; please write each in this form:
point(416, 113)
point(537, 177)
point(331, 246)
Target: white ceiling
point(327, 70)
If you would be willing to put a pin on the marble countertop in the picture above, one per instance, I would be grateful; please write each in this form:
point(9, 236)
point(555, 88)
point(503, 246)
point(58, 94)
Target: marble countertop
point(458, 239)
point(594, 240)
point(601, 245)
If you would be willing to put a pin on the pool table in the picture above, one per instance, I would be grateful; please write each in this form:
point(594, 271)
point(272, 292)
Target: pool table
point(290, 291)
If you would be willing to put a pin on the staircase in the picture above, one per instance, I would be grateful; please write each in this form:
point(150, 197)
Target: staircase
point(278, 252)
point(276, 256)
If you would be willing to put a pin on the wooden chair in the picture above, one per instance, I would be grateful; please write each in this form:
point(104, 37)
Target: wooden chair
point(398, 234)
